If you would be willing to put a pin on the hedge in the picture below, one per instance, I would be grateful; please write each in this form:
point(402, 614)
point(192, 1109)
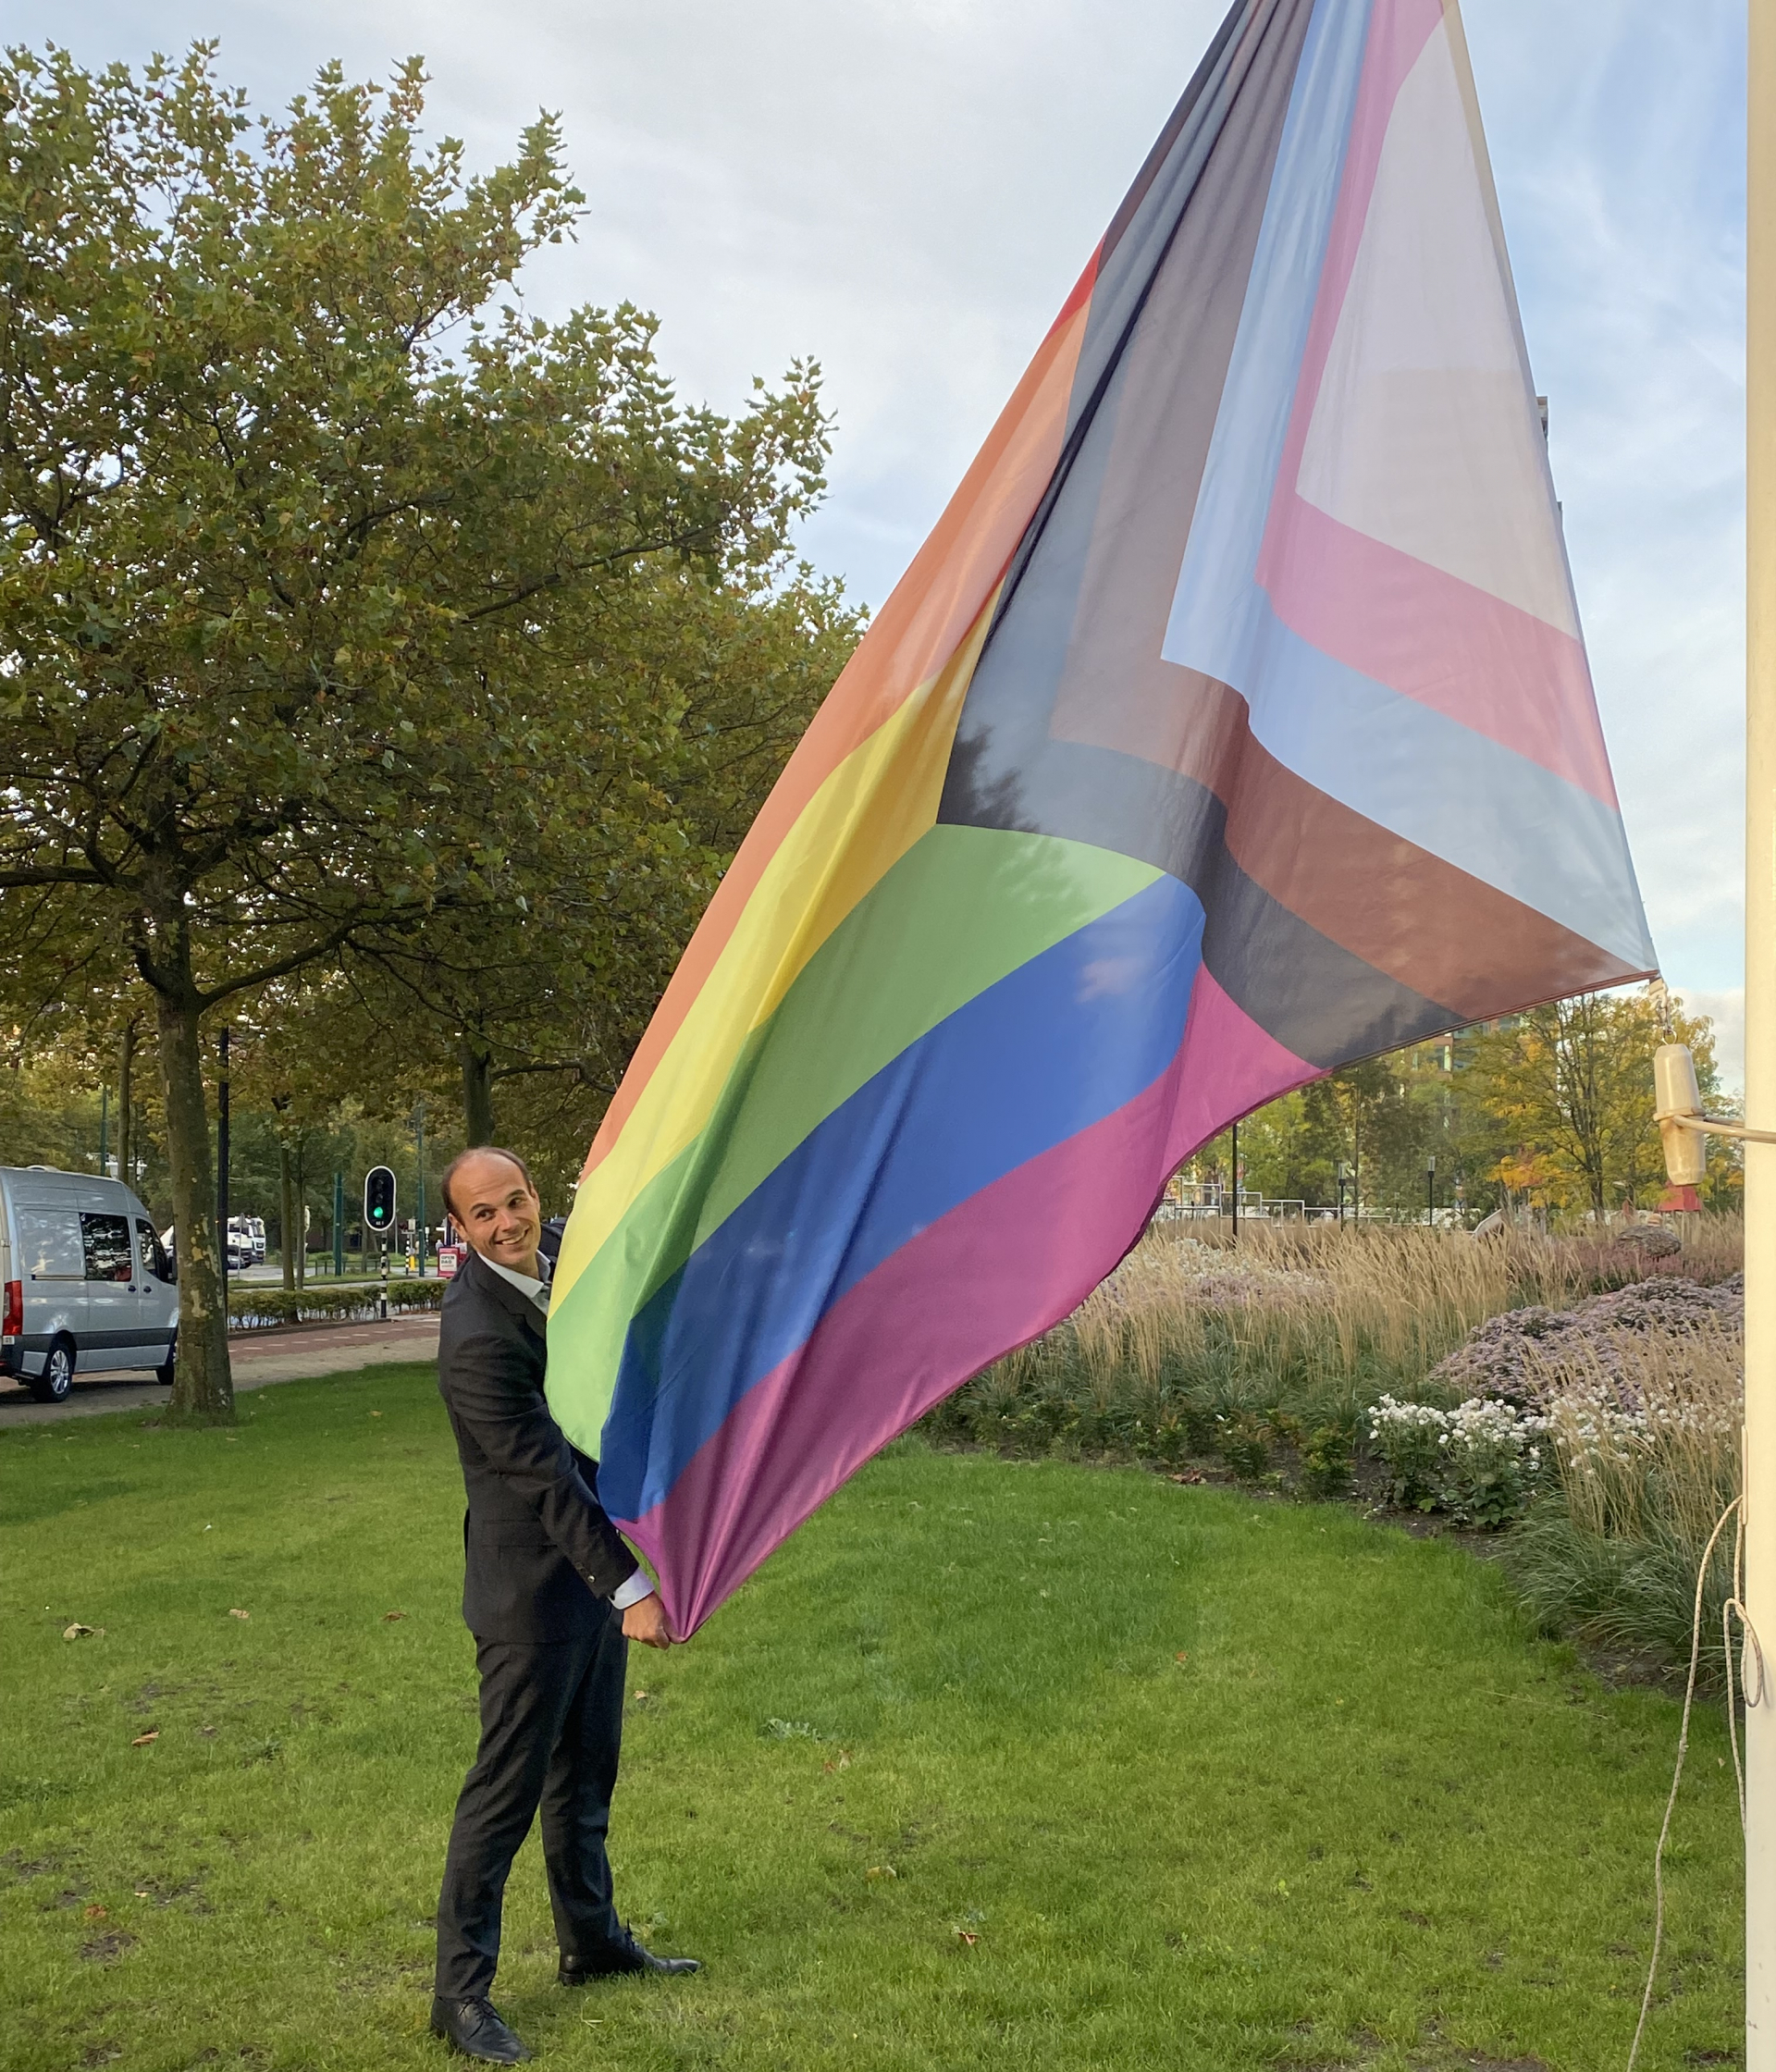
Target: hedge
point(253, 1307)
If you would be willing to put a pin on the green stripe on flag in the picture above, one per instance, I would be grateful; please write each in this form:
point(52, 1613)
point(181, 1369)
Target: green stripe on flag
point(961, 910)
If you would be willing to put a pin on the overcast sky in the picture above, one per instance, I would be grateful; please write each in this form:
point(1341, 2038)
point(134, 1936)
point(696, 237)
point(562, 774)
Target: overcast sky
point(905, 190)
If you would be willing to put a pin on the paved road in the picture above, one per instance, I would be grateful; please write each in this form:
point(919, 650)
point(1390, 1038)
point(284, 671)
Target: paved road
point(293, 1353)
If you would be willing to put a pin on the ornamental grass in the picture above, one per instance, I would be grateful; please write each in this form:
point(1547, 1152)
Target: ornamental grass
point(1312, 1322)
point(1644, 1433)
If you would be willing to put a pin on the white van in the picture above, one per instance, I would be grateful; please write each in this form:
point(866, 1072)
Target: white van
point(246, 1242)
point(84, 1280)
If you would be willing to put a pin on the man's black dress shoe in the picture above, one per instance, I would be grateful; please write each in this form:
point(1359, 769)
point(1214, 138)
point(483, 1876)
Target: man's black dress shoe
point(473, 2028)
point(626, 1955)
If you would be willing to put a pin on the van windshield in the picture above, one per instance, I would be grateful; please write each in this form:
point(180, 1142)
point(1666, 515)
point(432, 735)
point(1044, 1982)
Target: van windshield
point(154, 1253)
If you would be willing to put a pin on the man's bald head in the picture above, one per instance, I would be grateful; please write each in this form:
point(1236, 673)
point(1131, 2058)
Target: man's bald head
point(464, 1158)
point(492, 1202)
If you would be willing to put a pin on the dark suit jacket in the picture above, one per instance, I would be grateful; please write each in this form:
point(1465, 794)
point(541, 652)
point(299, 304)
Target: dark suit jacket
point(540, 1552)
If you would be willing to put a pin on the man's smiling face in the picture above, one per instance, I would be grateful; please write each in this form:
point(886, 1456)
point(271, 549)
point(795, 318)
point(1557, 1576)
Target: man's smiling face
point(497, 1211)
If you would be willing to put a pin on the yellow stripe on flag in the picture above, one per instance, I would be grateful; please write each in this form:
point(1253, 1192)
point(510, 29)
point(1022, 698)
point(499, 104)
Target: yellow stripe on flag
point(870, 811)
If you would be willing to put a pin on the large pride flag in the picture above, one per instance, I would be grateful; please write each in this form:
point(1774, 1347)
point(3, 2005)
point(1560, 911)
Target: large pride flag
point(1234, 723)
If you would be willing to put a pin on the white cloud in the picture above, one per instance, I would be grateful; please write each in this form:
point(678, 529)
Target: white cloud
point(906, 188)
point(1726, 1010)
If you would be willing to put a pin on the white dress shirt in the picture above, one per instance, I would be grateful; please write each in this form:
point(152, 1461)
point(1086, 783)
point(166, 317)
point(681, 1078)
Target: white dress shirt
point(637, 1587)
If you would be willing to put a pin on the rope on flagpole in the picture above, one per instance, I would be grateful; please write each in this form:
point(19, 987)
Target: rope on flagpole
point(1732, 1609)
point(1751, 1650)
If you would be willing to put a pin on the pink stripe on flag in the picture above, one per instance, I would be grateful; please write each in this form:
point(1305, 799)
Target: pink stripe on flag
point(999, 1270)
point(1474, 658)
point(1467, 654)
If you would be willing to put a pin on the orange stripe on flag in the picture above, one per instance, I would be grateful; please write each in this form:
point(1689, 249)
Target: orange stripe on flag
point(913, 636)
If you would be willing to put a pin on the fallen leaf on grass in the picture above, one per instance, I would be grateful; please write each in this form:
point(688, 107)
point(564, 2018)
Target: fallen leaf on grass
point(234, 1612)
point(1190, 1475)
point(967, 1936)
point(841, 1761)
point(143, 1740)
point(376, 1413)
point(79, 1632)
point(882, 1870)
point(389, 1617)
point(96, 1913)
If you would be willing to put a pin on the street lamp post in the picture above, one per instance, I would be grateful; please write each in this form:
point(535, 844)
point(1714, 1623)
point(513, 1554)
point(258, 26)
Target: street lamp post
point(1430, 1189)
point(419, 1152)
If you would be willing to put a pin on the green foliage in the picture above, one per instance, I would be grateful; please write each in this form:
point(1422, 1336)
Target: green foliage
point(1047, 1401)
point(1242, 1439)
point(1632, 1595)
point(1327, 1455)
point(1488, 1479)
point(333, 557)
point(47, 1117)
point(1213, 1784)
point(1380, 1119)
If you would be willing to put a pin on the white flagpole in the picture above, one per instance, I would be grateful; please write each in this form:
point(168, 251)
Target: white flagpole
point(1760, 1022)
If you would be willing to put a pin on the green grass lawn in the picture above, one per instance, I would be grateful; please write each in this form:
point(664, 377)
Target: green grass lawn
point(994, 1765)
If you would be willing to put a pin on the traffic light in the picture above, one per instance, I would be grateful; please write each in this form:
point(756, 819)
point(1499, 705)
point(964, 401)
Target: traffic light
point(379, 1200)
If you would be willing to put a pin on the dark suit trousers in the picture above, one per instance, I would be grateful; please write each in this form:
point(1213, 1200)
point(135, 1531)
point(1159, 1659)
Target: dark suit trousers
point(551, 1727)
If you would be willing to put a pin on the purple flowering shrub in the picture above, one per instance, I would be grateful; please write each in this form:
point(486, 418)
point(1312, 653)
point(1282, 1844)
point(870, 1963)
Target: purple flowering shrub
point(1508, 1357)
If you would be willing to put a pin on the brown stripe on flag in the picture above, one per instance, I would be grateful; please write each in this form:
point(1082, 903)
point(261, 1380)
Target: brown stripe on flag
point(1424, 921)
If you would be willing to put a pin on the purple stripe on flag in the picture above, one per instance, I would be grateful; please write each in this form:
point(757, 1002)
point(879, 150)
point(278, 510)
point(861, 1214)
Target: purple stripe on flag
point(995, 1272)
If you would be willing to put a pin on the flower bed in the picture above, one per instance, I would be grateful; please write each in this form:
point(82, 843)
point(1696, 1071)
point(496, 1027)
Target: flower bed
point(1510, 1358)
point(1480, 1462)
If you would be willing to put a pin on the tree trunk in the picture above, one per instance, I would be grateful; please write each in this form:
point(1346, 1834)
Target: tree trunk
point(287, 1234)
point(202, 1387)
point(477, 1089)
point(126, 1112)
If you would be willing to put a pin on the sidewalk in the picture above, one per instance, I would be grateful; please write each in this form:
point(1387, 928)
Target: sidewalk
point(291, 1352)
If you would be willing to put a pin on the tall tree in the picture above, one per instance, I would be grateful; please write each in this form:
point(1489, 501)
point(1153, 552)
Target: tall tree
point(1573, 1084)
point(686, 705)
point(292, 507)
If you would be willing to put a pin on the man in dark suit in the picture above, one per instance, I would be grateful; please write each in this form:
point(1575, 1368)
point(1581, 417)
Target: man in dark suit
point(552, 1596)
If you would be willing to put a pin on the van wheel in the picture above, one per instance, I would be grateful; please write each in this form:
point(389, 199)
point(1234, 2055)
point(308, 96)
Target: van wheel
point(165, 1375)
point(53, 1384)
